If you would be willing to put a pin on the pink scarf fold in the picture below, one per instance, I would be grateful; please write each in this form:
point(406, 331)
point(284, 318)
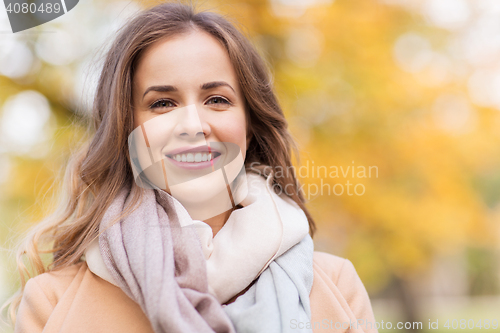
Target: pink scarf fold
point(169, 283)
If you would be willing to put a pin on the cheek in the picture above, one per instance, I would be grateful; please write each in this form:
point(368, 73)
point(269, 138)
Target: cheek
point(233, 129)
point(157, 131)
point(139, 119)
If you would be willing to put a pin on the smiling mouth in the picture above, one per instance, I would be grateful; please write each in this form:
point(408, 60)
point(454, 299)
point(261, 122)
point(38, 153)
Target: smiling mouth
point(195, 157)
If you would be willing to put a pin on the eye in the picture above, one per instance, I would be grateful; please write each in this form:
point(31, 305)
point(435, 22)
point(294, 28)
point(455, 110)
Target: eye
point(162, 103)
point(218, 100)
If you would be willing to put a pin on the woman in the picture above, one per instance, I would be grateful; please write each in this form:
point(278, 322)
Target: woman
point(174, 220)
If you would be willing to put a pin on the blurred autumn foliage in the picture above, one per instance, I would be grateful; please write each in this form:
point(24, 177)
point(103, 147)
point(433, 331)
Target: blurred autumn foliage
point(363, 83)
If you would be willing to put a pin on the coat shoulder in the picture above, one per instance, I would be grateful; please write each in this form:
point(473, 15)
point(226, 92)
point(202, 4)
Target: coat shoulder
point(54, 283)
point(338, 294)
point(63, 274)
point(71, 298)
point(342, 273)
point(329, 264)
point(41, 295)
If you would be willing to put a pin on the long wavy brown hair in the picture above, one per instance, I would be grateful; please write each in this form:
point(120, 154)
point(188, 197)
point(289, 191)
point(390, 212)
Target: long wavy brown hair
point(97, 173)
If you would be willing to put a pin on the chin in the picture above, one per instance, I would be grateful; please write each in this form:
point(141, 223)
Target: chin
point(200, 190)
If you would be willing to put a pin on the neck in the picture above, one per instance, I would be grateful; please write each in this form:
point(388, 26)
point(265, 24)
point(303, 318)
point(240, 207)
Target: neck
point(218, 202)
point(218, 221)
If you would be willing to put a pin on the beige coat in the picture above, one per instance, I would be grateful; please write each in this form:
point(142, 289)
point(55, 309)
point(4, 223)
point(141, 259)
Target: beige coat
point(75, 300)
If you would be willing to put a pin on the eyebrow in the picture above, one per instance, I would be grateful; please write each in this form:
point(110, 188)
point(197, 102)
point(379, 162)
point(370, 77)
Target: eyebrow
point(205, 86)
point(215, 84)
point(160, 89)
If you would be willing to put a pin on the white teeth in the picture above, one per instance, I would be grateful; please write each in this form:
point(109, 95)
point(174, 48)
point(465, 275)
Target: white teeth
point(190, 157)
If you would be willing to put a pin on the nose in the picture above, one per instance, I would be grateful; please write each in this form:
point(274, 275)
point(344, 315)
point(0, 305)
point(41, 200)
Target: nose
point(191, 124)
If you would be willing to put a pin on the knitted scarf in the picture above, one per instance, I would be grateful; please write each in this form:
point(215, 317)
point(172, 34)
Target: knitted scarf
point(180, 274)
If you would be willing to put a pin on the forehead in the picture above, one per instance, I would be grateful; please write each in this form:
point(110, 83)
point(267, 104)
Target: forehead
point(190, 58)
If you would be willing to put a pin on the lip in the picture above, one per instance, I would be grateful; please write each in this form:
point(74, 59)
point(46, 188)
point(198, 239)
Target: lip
point(190, 149)
point(194, 165)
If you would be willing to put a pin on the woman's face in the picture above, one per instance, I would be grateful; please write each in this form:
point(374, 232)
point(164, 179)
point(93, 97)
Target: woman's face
point(188, 104)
